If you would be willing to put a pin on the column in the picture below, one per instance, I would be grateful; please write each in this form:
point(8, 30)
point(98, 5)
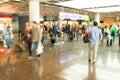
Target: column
point(51, 25)
point(97, 17)
point(60, 23)
point(34, 10)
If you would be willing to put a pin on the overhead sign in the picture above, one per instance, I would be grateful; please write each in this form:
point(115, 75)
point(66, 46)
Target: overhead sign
point(48, 17)
point(63, 15)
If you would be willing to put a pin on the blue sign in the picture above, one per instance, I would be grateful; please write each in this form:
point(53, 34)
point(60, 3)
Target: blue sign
point(63, 15)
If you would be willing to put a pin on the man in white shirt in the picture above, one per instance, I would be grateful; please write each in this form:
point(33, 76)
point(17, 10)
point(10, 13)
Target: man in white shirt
point(95, 36)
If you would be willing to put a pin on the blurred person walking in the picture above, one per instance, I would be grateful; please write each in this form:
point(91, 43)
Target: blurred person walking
point(35, 36)
point(56, 31)
point(40, 42)
point(87, 30)
point(114, 30)
point(27, 37)
point(119, 33)
point(7, 36)
point(95, 36)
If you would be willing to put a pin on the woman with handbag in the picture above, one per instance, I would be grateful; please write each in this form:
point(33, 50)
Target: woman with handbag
point(27, 37)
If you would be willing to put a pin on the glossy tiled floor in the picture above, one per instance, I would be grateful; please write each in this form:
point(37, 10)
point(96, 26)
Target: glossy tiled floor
point(68, 61)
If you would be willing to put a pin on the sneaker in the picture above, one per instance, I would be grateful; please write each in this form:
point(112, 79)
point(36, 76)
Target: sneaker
point(56, 44)
point(38, 58)
point(29, 58)
point(89, 60)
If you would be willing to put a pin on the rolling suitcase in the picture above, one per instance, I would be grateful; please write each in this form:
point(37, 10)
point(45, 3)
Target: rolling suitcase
point(71, 36)
point(21, 46)
point(52, 40)
point(86, 39)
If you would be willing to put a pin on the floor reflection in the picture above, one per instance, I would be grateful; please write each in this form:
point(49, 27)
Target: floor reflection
point(91, 72)
point(8, 68)
point(38, 68)
point(68, 61)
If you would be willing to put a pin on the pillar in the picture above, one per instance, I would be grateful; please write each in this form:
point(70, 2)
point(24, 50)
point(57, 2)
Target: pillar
point(51, 24)
point(34, 10)
point(97, 17)
point(60, 23)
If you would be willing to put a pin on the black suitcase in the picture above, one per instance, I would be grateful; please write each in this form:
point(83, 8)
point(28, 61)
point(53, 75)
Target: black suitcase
point(52, 40)
point(71, 36)
point(86, 39)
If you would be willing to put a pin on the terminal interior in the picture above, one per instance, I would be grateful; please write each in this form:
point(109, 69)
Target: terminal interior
point(69, 59)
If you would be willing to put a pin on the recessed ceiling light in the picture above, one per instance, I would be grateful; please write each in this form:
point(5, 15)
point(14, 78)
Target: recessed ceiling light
point(89, 4)
point(4, 1)
point(17, 0)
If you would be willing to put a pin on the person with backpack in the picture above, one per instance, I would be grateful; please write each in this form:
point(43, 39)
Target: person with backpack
point(107, 35)
point(40, 42)
point(72, 32)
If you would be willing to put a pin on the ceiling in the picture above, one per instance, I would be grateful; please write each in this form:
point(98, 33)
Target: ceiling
point(93, 5)
point(88, 5)
point(21, 6)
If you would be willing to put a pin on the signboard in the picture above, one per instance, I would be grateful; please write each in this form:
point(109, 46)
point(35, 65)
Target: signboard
point(63, 15)
point(47, 17)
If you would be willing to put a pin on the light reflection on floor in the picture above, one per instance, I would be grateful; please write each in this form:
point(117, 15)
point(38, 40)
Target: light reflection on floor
point(63, 62)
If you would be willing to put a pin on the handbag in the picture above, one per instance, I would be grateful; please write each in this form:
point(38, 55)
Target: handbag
point(86, 39)
point(105, 33)
point(39, 49)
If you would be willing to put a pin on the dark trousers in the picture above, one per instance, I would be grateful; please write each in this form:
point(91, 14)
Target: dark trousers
point(119, 40)
point(29, 45)
point(109, 42)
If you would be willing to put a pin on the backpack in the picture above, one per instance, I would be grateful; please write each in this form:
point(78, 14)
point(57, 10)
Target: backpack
point(86, 38)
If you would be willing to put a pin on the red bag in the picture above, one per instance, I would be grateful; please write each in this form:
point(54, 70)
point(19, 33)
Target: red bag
point(3, 51)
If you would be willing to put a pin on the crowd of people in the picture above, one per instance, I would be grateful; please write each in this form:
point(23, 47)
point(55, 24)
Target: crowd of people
point(33, 38)
point(91, 33)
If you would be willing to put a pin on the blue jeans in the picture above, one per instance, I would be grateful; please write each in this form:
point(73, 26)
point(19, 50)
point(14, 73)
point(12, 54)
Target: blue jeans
point(8, 42)
point(33, 48)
